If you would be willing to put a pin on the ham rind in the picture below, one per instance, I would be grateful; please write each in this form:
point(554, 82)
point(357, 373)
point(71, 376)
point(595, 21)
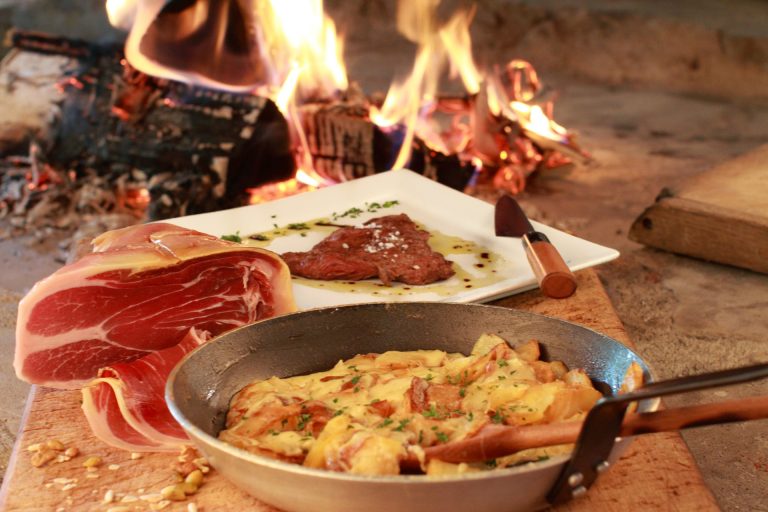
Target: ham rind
point(125, 406)
point(140, 291)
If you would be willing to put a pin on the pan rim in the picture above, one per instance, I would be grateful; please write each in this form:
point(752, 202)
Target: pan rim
point(198, 434)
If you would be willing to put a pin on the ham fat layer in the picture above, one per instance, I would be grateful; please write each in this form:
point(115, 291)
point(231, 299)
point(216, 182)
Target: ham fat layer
point(141, 291)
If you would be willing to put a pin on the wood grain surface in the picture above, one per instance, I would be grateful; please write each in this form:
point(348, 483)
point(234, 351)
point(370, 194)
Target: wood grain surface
point(656, 473)
point(720, 215)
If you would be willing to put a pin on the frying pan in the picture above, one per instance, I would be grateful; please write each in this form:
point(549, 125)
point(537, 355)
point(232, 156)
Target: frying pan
point(201, 386)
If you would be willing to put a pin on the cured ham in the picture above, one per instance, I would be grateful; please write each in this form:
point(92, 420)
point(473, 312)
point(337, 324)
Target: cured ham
point(125, 406)
point(140, 291)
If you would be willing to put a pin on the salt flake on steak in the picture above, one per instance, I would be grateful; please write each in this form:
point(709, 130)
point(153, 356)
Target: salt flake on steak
point(392, 248)
point(141, 291)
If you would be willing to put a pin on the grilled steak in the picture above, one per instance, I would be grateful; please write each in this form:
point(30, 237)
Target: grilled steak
point(391, 248)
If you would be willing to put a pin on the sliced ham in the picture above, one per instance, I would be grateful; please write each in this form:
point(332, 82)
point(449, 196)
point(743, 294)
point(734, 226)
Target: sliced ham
point(141, 291)
point(125, 406)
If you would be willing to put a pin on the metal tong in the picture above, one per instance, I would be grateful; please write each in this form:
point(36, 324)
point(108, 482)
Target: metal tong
point(605, 422)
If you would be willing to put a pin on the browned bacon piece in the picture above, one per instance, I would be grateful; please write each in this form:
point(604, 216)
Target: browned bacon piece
point(392, 248)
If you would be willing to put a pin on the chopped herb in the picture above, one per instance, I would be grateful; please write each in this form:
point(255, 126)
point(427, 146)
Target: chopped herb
point(233, 238)
point(442, 437)
point(470, 416)
point(338, 412)
point(374, 401)
point(387, 421)
point(497, 417)
point(352, 212)
point(428, 377)
point(273, 216)
point(542, 458)
point(353, 367)
point(296, 226)
point(303, 420)
point(502, 363)
point(389, 204)
point(303, 234)
point(259, 237)
point(401, 425)
point(355, 379)
point(273, 432)
point(462, 392)
point(357, 388)
point(431, 413)
point(502, 377)
point(336, 400)
point(491, 463)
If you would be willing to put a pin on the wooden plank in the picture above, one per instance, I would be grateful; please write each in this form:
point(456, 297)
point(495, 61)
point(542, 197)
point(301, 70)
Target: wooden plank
point(657, 473)
point(720, 215)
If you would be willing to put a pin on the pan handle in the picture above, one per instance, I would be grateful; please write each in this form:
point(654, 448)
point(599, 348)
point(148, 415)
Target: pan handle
point(603, 424)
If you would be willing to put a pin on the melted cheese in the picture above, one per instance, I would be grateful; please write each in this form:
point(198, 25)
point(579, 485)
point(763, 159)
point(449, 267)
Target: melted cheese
point(367, 413)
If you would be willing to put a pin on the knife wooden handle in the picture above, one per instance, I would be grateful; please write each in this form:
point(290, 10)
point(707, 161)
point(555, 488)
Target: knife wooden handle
point(554, 277)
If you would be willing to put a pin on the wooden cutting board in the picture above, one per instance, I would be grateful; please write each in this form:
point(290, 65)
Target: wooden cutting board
point(720, 215)
point(657, 472)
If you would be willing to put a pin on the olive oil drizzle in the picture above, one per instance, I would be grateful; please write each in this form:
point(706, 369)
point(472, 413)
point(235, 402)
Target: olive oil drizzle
point(486, 266)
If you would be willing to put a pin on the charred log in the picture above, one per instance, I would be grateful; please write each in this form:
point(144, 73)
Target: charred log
point(345, 144)
point(114, 118)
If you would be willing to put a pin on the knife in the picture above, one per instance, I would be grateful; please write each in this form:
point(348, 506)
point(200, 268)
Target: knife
point(553, 275)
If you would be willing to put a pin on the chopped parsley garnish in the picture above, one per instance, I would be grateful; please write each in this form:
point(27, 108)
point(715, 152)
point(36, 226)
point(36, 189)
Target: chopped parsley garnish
point(502, 363)
point(462, 392)
point(442, 437)
point(303, 420)
point(374, 401)
point(429, 377)
point(497, 417)
point(232, 238)
point(357, 388)
point(387, 421)
point(470, 416)
point(336, 400)
point(502, 377)
point(355, 380)
point(352, 212)
point(339, 412)
point(259, 237)
point(401, 425)
point(431, 413)
point(296, 226)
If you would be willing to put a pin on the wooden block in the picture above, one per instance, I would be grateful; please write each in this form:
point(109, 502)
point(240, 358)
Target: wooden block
point(720, 215)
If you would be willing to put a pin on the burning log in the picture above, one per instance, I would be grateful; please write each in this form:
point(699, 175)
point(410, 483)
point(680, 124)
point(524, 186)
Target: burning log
point(345, 144)
point(197, 149)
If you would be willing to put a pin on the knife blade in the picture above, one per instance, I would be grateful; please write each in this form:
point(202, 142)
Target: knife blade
point(553, 275)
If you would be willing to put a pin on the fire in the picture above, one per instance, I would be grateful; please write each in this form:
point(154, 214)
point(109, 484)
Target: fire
point(291, 52)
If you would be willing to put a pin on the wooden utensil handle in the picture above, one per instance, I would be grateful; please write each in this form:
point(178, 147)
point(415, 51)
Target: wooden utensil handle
point(498, 440)
point(554, 277)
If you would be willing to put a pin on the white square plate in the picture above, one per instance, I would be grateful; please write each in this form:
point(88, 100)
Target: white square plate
point(427, 202)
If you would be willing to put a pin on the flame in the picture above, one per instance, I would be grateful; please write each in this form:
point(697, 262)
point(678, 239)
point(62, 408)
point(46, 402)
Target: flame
point(299, 34)
point(121, 13)
point(292, 53)
point(495, 101)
